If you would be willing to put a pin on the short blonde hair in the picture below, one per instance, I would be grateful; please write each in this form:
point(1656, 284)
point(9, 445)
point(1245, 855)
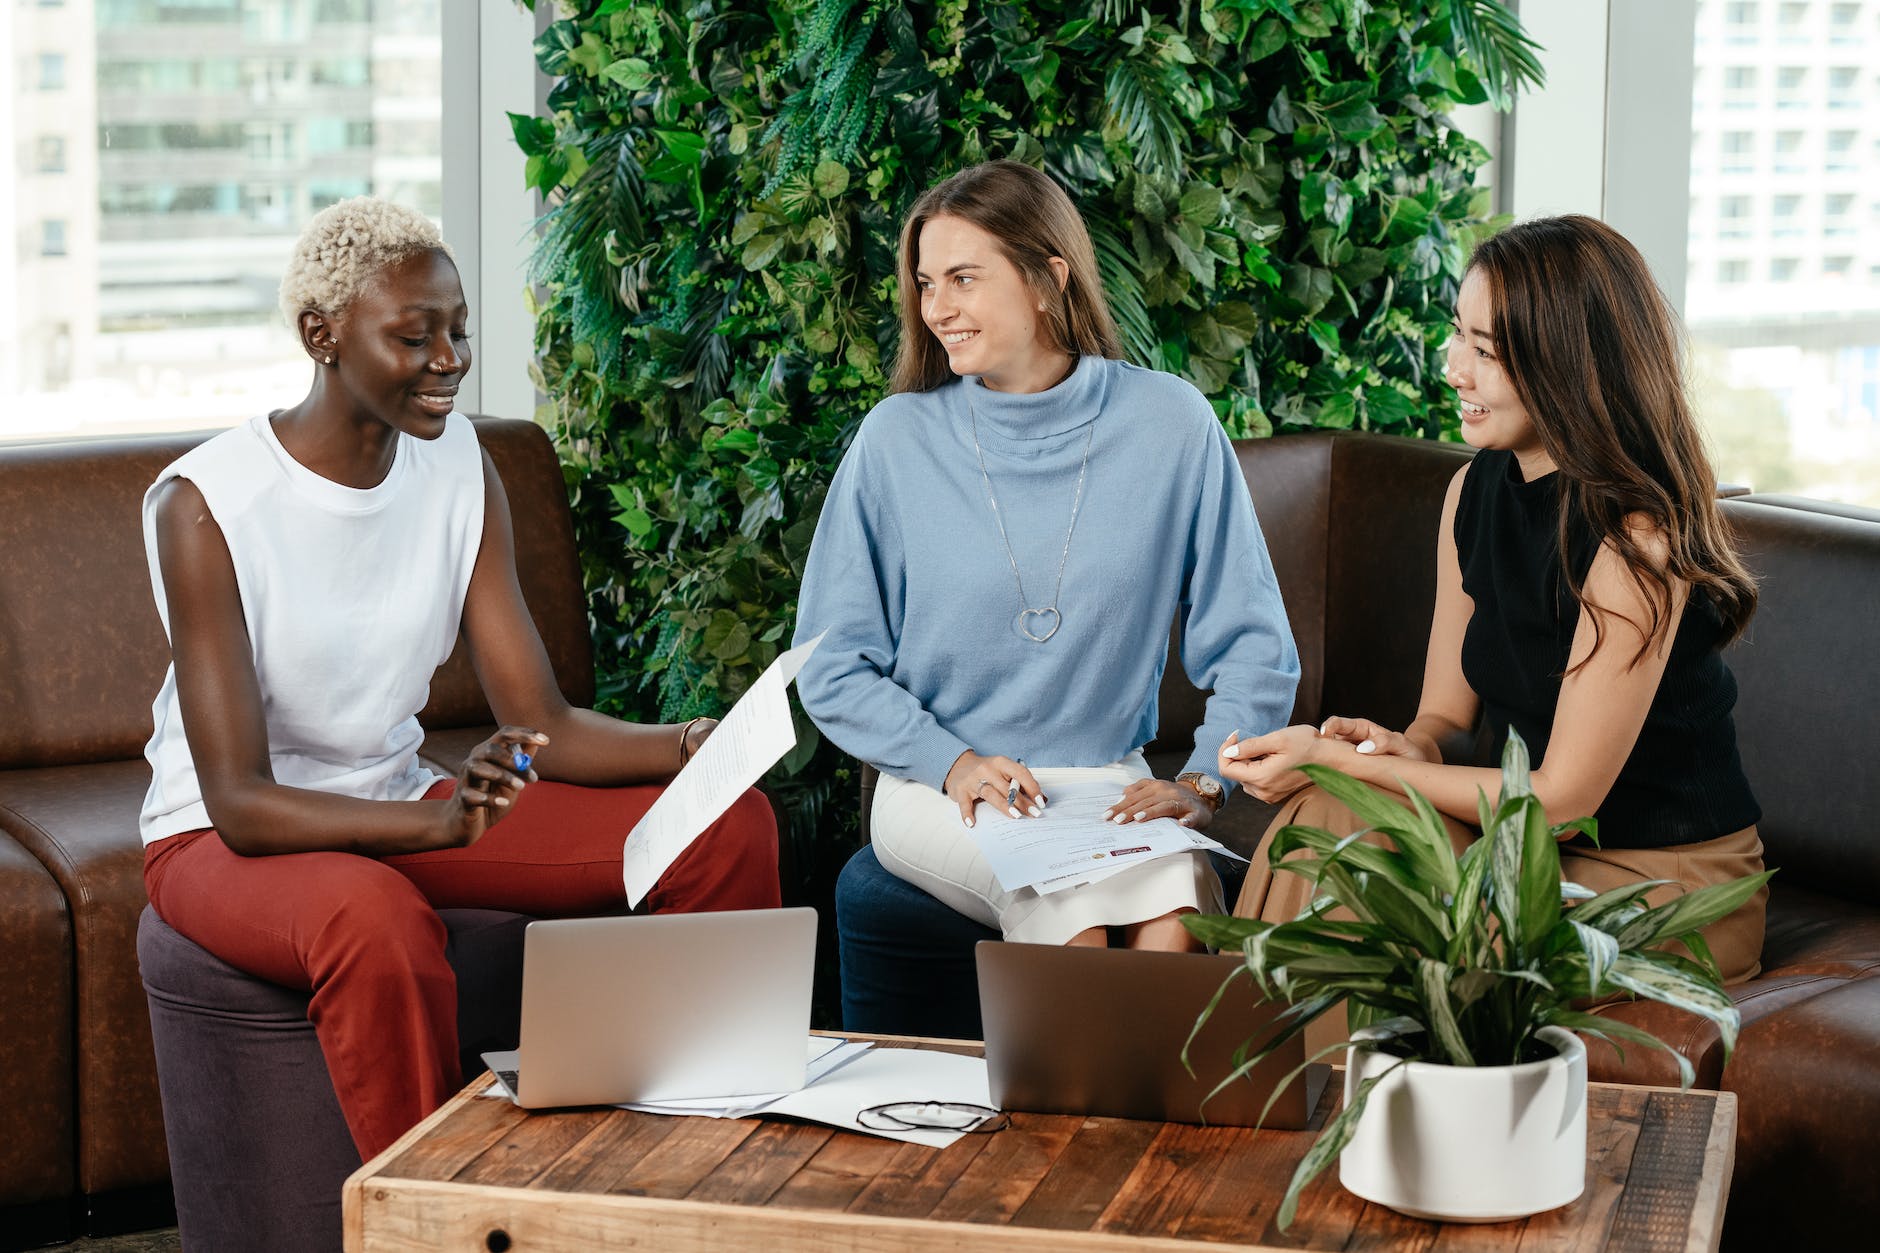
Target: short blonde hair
point(344, 246)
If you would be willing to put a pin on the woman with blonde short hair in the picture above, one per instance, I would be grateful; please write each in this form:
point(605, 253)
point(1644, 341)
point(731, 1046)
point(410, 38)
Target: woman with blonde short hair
point(999, 560)
point(313, 567)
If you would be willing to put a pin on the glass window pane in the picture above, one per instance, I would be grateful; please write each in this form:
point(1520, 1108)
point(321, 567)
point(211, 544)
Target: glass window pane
point(166, 154)
point(1783, 286)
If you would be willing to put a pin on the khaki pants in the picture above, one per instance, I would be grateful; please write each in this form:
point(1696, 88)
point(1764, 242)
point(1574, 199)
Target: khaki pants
point(1735, 941)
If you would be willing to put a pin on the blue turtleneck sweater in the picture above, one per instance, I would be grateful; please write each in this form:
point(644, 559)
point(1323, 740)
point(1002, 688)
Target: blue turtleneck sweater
point(924, 657)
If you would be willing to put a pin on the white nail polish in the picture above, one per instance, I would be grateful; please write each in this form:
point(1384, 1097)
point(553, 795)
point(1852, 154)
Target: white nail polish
point(1118, 820)
point(1013, 811)
point(1036, 812)
point(1143, 814)
point(967, 821)
point(1369, 746)
point(1232, 750)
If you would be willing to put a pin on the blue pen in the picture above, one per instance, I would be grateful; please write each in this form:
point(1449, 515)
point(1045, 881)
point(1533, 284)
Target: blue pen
point(522, 760)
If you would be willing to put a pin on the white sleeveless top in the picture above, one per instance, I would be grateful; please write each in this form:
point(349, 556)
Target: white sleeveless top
point(352, 598)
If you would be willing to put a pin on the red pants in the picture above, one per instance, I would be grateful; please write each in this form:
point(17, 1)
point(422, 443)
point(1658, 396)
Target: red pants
point(363, 936)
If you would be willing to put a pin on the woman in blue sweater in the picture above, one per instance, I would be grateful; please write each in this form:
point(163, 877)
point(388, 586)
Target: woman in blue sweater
point(999, 559)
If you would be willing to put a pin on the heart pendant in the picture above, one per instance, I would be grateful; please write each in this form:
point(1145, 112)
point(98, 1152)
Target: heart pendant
point(1025, 617)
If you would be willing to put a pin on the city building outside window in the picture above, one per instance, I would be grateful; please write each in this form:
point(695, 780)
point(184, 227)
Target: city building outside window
point(189, 142)
point(1782, 295)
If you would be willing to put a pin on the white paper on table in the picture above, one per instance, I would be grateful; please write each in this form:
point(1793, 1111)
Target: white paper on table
point(826, 1056)
point(1072, 843)
point(749, 740)
point(885, 1076)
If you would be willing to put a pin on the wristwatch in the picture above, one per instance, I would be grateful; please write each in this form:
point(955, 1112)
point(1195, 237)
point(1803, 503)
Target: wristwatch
point(1207, 787)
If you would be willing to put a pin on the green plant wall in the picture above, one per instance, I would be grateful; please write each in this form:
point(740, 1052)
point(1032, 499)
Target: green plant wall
point(1280, 205)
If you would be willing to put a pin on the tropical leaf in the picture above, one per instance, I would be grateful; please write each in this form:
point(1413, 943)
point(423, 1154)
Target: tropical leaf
point(1612, 1030)
point(1330, 1144)
point(1492, 37)
point(1655, 977)
point(1692, 911)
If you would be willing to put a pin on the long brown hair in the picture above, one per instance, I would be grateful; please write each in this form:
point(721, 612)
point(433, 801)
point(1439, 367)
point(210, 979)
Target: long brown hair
point(1593, 350)
point(1033, 220)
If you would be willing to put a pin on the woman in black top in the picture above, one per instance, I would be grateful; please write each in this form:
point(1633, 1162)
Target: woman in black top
point(1585, 584)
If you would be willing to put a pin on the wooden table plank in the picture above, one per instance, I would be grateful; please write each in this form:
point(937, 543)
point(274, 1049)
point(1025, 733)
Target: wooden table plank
point(916, 1177)
point(1086, 1177)
point(1654, 1214)
point(1659, 1166)
point(1002, 1177)
point(761, 1164)
point(530, 1147)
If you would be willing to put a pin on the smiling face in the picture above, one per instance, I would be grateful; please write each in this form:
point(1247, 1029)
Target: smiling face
point(982, 310)
point(1492, 413)
point(401, 348)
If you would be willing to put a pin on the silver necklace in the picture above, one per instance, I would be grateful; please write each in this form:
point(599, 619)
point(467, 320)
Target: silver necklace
point(1045, 618)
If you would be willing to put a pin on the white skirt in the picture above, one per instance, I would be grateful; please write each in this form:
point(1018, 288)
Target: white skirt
point(918, 836)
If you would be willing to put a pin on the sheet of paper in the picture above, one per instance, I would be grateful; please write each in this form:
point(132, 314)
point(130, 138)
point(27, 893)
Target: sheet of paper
point(883, 1077)
point(1072, 843)
point(749, 740)
point(826, 1056)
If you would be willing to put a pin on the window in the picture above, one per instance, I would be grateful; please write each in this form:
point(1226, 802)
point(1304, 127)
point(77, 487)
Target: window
point(1786, 210)
point(1837, 267)
point(1739, 152)
point(1838, 214)
point(1739, 86)
point(1841, 151)
point(1734, 270)
point(1782, 269)
point(1733, 213)
point(1788, 158)
point(1791, 84)
point(1843, 20)
point(1792, 15)
point(1844, 87)
point(199, 137)
point(1741, 12)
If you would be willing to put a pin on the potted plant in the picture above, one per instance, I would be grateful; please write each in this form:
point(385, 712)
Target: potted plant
point(1464, 979)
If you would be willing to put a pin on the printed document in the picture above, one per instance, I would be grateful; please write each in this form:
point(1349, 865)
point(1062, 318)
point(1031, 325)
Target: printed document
point(749, 740)
point(1072, 843)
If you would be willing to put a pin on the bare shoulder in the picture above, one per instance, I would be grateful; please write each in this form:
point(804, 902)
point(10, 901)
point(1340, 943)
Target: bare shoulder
point(183, 516)
point(1650, 539)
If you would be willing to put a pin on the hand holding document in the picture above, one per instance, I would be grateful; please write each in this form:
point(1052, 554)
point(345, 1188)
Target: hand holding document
point(1073, 843)
point(749, 740)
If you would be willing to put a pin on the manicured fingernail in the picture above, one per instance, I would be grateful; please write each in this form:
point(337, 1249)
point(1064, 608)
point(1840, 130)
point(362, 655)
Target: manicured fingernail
point(502, 800)
point(1118, 820)
point(1369, 746)
point(1142, 815)
point(1108, 814)
point(1013, 811)
point(1036, 812)
point(1325, 728)
point(967, 821)
point(1232, 750)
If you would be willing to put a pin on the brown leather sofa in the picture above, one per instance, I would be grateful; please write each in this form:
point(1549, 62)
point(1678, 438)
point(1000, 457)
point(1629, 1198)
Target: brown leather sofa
point(1351, 523)
point(81, 657)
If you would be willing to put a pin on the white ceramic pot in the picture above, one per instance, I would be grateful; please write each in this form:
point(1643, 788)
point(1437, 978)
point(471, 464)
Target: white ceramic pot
point(1475, 1144)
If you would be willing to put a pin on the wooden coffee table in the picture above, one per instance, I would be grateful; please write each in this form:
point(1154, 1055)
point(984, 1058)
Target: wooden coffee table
point(480, 1174)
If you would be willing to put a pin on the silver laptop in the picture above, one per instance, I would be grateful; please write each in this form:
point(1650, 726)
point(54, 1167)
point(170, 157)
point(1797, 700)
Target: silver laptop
point(660, 1008)
point(1100, 1031)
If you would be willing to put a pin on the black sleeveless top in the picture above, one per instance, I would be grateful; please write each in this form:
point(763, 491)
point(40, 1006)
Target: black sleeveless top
point(1684, 782)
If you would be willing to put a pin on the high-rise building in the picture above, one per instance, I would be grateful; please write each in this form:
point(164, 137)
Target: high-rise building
point(1784, 280)
point(172, 149)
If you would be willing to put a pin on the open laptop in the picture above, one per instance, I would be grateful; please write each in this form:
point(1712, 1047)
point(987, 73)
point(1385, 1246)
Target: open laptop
point(661, 1008)
point(1100, 1031)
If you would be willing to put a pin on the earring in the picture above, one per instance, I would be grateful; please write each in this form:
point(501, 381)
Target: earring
point(328, 360)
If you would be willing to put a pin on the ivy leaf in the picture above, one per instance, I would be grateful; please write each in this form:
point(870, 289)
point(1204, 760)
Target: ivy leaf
point(534, 135)
point(630, 72)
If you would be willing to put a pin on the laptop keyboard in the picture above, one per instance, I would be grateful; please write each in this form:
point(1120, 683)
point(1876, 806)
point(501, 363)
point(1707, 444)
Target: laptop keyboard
point(510, 1080)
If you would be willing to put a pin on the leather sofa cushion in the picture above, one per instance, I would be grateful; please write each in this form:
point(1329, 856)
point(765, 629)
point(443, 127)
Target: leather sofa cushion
point(1809, 1100)
point(80, 822)
point(37, 1149)
point(1808, 683)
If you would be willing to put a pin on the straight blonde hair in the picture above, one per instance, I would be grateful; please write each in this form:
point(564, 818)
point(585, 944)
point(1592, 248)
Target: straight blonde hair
point(1033, 220)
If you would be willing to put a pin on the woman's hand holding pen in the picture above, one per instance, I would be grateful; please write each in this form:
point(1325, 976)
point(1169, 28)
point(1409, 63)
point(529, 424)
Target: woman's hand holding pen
point(491, 778)
point(1003, 782)
point(1146, 799)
